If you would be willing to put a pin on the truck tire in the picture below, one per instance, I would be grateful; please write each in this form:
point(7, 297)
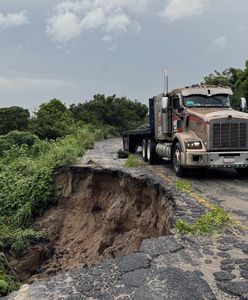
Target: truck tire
point(144, 149)
point(151, 152)
point(242, 172)
point(176, 161)
point(132, 146)
point(129, 145)
point(125, 144)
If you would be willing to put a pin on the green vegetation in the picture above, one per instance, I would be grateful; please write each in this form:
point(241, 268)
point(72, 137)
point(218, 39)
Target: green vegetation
point(237, 79)
point(184, 186)
point(8, 279)
point(211, 222)
point(119, 113)
point(13, 118)
point(52, 120)
point(133, 162)
point(16, 138)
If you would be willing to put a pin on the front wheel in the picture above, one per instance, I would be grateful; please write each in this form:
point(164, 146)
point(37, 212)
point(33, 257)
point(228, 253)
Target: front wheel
point(176, 161)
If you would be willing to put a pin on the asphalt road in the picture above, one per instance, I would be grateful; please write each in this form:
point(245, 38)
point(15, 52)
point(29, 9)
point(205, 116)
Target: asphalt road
point(217, 187)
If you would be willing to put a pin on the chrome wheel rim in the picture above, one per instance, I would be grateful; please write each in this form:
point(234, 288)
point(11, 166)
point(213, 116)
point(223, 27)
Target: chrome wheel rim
point(149, 150)
point(143, 149)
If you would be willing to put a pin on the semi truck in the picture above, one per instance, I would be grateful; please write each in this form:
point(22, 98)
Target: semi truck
point(194, 127)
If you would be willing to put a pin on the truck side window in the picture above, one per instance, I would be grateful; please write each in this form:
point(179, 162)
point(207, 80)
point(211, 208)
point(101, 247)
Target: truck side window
point(176, 102)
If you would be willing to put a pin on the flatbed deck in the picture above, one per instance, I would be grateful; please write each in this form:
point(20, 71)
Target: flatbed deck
point(138, 131)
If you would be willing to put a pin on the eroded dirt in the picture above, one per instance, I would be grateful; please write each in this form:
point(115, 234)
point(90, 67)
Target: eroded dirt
point(99, 215)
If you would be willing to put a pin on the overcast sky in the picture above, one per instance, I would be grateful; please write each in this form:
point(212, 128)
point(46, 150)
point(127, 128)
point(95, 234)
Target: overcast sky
point(72, 50)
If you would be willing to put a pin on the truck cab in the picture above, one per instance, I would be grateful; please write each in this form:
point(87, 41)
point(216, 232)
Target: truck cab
point(196, 127)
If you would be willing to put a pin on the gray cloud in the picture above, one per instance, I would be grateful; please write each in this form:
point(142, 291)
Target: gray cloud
point(14, 19)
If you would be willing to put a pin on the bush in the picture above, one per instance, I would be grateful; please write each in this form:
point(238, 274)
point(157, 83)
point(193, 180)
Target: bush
point(17, 138)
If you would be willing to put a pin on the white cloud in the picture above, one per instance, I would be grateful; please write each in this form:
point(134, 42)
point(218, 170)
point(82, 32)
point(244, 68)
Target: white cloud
point(113, 17)
point(13, 20)
point(179, 9)
point(220, 42)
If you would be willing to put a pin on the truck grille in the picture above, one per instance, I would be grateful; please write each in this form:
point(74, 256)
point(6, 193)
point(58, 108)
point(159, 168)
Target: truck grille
point(229, 135)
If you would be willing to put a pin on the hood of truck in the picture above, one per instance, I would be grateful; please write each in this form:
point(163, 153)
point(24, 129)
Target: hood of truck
point(208, 114)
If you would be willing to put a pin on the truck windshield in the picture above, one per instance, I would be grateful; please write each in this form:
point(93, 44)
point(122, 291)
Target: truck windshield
point(207, 101)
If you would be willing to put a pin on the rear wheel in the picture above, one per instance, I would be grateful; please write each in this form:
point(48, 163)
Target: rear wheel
point(125, 144)
point(151, 152)
point(144, 149)
point(176, 161)
point(129, 144)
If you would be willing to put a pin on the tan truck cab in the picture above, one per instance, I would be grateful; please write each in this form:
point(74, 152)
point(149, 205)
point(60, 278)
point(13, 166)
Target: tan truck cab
point(196, 127)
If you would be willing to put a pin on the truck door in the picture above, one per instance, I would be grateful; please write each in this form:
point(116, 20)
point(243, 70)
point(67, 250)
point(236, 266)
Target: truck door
point(176, 113)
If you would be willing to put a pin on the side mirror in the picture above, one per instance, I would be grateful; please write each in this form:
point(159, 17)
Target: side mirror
point(243, 104)
point(165, 102)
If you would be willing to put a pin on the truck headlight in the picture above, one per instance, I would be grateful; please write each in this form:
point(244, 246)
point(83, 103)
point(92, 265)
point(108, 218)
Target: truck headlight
point(194, 145)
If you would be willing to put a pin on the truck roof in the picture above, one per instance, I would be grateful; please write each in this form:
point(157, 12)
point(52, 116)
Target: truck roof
point(206, 90)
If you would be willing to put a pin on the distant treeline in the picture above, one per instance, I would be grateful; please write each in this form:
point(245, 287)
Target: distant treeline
point(53, 119)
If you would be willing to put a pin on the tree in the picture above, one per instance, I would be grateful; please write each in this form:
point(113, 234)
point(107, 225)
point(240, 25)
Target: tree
point(237, 79)
point(13, 118)
point(52, 120)
point(121, 113)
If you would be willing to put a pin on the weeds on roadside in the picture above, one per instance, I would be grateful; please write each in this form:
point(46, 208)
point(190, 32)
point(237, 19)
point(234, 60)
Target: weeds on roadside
point(211, 222)
point(184, 186)
point(133, 162)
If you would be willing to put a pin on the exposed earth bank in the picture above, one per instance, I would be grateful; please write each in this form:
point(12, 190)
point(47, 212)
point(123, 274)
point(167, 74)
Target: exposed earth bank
point(100, 214)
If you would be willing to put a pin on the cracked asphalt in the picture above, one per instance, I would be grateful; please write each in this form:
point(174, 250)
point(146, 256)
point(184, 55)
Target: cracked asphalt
point(174, 267)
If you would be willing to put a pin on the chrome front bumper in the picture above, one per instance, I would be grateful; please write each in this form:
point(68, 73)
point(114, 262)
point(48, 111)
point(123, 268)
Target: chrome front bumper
point(214, 159)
